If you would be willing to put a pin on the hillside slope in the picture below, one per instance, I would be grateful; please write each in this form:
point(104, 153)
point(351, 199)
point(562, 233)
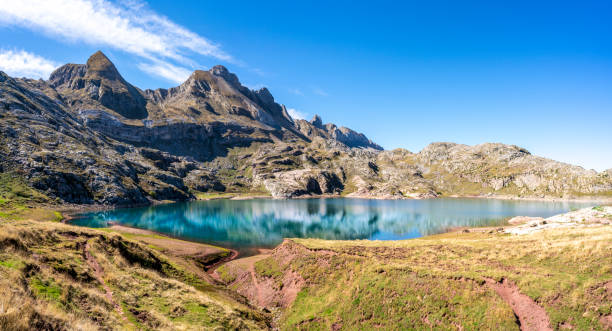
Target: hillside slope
point(60, 277)
point(87, 136)
point(554, 277)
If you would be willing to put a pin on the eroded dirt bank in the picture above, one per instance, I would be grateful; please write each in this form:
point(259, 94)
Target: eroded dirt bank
point(550, 278)
point(553, 277)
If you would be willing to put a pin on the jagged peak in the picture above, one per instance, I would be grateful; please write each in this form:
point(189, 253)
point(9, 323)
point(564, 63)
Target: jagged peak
point(3, 76)
point(221, 71)
point(317, 121)
point(99, 65)
point(264, 95)
point(199, 75)
point(66, 73)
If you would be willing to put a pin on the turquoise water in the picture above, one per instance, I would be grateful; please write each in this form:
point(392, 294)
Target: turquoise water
point(263, 223)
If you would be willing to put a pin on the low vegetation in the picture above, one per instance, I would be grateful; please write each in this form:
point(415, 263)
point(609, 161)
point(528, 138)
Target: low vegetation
point(61, 277)
point(19, 201)
point(448, 281)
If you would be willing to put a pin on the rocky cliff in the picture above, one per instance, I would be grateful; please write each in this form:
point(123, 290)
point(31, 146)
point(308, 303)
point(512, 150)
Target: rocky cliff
point(88, 136)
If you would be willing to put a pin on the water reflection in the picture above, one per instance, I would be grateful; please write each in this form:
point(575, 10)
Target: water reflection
point(264, 223)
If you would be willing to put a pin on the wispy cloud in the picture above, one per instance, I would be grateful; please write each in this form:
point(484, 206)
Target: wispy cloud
point(296, 114)
point(258, 71)
point(296, 91)
point(25, 64)
point(319, 91)
point(166, 70)
point(129, 26)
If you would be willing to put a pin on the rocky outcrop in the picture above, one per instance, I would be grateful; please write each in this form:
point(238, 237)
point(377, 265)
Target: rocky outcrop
point(88, 136)
point(99, 83)
point(303, 182)
point(506, 169)
point(316, 128)
point(45, 143)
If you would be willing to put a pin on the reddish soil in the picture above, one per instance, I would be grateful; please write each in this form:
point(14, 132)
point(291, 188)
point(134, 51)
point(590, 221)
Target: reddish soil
point(201, 259)
point(265, 291)
point(607, 320)
point(170, 245)
point(531, 316)
point(259, 292)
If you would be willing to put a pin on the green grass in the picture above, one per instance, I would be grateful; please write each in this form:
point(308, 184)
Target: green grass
point(12, 263)
point(230, 195)
point(349, 187)
point(225, 275)
point(268, 267)
point(438, 281)
point(20, 201)
point(46, 289)
point(152, 289)
point(214, 195)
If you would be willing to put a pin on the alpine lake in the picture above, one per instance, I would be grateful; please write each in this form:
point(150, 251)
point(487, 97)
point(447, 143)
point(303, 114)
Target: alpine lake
point(246, 225)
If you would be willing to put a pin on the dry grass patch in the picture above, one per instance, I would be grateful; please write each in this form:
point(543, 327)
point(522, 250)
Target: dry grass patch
point(440, 281)
point(63, 277)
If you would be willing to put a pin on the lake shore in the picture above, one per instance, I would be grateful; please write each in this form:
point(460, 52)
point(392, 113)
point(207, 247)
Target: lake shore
point(71, 210)
point(508, 223)
point(477, 262)
point(517, 267)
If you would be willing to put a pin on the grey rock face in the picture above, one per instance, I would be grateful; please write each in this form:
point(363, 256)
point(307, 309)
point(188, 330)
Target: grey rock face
point(75, 137)
point(302, 182)
point(348, 137)
point(88, 136)
point(100, 81)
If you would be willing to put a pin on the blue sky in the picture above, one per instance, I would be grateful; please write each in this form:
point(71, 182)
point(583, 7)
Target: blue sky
point(535, 75)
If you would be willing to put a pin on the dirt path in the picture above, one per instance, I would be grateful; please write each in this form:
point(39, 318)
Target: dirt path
point(531, 316)
point(211, 269)
point(247, 276)
point(258, 290)
point(99, 274)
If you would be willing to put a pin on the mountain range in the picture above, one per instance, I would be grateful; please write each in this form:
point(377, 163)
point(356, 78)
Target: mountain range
point(87, 136)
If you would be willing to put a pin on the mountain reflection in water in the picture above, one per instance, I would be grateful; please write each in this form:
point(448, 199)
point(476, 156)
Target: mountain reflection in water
point(263, 223)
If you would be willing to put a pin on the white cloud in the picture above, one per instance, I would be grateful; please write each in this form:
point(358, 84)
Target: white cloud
point(296, 91)
point(319, 91)
point(130, 26)
point(166, 70)
point(24, 64)
point(258, 72)
point(296, 114)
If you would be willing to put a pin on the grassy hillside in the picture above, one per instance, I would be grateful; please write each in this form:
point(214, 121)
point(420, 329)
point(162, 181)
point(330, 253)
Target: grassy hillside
point(467, 281)
point(19, 201)
point(62, 277)
point(57, 276)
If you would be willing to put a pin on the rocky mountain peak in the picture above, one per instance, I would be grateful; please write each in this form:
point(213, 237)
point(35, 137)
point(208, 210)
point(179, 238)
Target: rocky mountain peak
point(199, 75)
point(207, 95)
point(98, 65)
point(67, 74)
point(221, 71)
point(98, 83)
point(317, 121)
point(265, 96)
